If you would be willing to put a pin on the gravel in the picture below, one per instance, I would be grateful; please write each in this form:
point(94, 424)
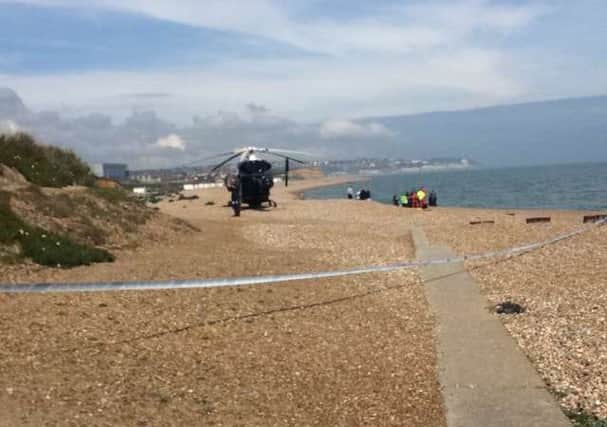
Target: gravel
point(563, 288)
point(344, 351)
point(341, 351)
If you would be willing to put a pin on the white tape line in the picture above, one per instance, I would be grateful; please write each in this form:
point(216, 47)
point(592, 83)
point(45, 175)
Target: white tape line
point(258, 280)
point(190, 284)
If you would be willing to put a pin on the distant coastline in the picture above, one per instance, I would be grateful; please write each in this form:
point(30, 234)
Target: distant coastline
point(385, 166)
point(422, 169)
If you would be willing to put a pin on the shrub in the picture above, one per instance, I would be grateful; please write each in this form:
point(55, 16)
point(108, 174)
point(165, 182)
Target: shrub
point(59, 251)
point(583, 419)
point(9, 223)
point(43, 247)
point(112, 195)
point(44, 165)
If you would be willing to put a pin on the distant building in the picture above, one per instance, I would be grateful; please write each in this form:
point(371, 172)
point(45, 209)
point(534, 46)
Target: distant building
point(145, 178)
point(97, 169)
point(139, 190)
point(117, 171)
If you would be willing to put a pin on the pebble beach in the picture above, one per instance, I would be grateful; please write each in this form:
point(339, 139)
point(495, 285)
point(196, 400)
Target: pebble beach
point(357, 350)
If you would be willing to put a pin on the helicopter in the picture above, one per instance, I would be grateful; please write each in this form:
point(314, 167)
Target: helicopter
point(253, 180)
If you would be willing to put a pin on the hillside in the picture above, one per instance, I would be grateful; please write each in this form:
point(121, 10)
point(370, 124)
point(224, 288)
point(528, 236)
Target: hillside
point(51, 213)
point(549, 132)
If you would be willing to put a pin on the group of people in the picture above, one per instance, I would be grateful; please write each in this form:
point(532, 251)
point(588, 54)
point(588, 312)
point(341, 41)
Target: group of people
point(362, 194)
point(415, 199)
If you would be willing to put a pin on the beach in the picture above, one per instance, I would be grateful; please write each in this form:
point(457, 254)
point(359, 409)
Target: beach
point(345, 351)
point(342, 351)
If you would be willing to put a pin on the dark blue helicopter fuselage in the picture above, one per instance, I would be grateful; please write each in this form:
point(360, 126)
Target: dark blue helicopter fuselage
point(255, 179)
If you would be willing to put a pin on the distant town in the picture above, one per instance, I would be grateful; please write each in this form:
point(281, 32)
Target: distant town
point(178, 177)
point(363, 166)
point(389, 166)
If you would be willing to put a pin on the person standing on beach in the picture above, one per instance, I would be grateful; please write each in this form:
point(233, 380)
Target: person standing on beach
point(404, 200)
point(421, 196)
point(413, 200)
point(350, 193)
point(233, 185)
point(432, 199)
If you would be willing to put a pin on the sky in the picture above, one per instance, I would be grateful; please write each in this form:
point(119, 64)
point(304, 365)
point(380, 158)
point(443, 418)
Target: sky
point(315, 65)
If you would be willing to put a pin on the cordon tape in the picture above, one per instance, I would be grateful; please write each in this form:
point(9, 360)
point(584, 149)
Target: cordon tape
point(258, 280)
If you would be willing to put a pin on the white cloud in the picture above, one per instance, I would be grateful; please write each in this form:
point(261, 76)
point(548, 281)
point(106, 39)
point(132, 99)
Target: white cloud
point(393, 30)
point(340, 128)
point(173, 141)
point(305, 89)
point(8, 127)
point(418, 57)
point(388, 29)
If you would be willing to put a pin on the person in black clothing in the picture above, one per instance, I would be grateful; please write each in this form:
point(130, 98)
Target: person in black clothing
point(432, 198)
point(233, 184)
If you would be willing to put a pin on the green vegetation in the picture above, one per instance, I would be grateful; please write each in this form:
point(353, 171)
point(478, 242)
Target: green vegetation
point(582, 419)
point(57, 227)
point(44, 165)
point(43, 247)
point(112, 195)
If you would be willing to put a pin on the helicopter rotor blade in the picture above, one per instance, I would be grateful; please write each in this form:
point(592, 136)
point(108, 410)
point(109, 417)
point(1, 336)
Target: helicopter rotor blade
point(232, 157)
point(286, 151)
point(204, 159)
point(286, 157)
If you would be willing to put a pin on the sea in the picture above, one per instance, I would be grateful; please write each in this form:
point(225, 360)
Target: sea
point(571, 186)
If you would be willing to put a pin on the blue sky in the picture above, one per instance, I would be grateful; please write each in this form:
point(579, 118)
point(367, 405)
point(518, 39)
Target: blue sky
point(43, 40)
point(306, 60)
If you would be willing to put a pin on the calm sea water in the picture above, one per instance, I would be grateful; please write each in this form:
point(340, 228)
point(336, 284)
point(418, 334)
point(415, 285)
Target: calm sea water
point(580, 186)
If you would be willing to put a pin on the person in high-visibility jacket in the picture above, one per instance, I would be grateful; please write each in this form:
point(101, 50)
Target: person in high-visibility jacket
point(421, 196)
point(404, 200)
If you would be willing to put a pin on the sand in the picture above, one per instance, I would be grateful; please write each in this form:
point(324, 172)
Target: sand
point(342, 351)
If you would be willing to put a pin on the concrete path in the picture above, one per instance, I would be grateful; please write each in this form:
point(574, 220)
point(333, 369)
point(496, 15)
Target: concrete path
point(486, 380)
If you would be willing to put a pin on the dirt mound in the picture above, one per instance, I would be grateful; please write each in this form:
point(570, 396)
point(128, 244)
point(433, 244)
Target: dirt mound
point(104, 218)
point(11, 180)
point(84, 222)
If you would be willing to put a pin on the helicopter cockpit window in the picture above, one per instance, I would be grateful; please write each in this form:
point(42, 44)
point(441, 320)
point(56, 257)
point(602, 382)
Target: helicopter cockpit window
point(255, 166)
